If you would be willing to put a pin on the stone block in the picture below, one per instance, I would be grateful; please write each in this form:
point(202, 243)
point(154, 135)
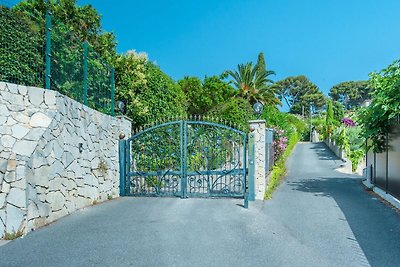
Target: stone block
point(81, 202)
point(44, 209)
point(57, 168)
point(41, 176)
point(106, 186)
point(55, 215)
point(20, 184)
point(17, 197)
point(91, 180)
point(40, 120)
point(41, 191)
point(58, 149)
point(3, 119)
point(94, 164)
point(5, 187)
point(10, 121)
point(31, 194)
point(12, 88)
point(7, 141)
point(24, 147)
point(15, 219)
point(4, 110)
point(80, 182)
point(2, 199)
point(50, 98)
point(68, 158)
point(88, 192)
point(35, 134)
point(55, 184)
point(16, 108)
point(33, 211)
point(2, 223)
point(22, 89)
point(20, 172)
point(56, 200)
point(11, 165)
point(3, 165)
point(10, 177)
point(35, 95)
point(70, 205)
point(38, 160)
point(13, 99)
point(19, 131)
point(70, 184)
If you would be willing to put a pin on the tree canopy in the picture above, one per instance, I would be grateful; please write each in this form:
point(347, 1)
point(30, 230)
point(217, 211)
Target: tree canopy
point(204, 96)
point(299, 93)
point(253, 84)
point(149, 93)
point(351, 94)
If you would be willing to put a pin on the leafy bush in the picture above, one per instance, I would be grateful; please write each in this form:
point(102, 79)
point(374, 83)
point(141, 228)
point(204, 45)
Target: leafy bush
point(150, 95)
point(279, 170)
point(21, 48)
point(384, 107)
point(238, 111)
point(279, 142)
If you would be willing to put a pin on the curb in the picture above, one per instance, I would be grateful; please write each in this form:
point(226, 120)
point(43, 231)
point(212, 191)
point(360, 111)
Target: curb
point(386, 196)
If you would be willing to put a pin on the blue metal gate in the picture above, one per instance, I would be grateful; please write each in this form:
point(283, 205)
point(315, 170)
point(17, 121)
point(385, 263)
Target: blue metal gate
point(185, 158)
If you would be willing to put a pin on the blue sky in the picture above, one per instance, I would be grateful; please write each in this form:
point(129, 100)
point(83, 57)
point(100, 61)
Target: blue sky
point(328, 41)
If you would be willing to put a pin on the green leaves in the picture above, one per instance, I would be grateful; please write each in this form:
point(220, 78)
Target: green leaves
point(149, 93)
point(253, 83)
point(385, 105)
point(351, 94)
point(299, 92)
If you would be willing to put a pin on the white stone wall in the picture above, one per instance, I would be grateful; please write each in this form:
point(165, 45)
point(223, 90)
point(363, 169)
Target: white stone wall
point(43, 175)
point(259, 157)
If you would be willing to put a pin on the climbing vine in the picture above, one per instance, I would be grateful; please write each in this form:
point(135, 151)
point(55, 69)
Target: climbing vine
point(385, 106)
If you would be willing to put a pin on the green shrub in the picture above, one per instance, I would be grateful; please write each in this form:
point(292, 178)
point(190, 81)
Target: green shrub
point(279, 170)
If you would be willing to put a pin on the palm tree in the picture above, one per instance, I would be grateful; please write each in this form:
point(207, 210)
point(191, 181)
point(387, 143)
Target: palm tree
point(253, 84)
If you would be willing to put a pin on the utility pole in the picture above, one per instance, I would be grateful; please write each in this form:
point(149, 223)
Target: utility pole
point(310, 123)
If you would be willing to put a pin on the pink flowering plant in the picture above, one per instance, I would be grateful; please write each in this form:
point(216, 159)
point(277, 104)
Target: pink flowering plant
point(348, 122)
point(279, 143)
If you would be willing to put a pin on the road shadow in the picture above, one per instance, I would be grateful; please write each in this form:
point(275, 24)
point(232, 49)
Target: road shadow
point(375, 226)
point(323, 152)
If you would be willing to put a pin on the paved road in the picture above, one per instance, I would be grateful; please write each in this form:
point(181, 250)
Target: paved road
point(318, 217)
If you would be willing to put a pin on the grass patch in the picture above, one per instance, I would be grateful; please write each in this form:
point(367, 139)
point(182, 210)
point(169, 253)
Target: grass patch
point(279, 170)
point(12, 235)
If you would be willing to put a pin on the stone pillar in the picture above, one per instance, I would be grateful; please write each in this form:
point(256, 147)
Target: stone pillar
point(257, 128)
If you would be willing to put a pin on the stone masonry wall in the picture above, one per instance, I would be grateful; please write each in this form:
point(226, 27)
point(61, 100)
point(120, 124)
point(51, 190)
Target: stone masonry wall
point(43, 173)
point(260, 177)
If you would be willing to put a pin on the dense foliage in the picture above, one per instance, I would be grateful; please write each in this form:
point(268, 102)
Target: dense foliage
point(299, 93)
point(253, 84)
point(351, 94)
point(202, 97)
point(385, 105)
point(83, 21)
point(329, 119)
point(149, 94)
point(21, 48)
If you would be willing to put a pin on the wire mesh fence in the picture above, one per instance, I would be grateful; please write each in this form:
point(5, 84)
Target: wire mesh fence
point(21, 48)
point(269, 150)
point(39, 50)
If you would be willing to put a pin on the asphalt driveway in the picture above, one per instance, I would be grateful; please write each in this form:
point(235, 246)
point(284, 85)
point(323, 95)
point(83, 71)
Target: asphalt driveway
point(318, 217)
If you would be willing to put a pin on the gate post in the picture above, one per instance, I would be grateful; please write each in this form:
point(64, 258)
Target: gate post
point(257, 132)
point(251, 185)
point(122, 164)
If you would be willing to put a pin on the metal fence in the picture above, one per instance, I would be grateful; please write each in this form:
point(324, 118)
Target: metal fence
point(384, 168)
point(38, 50)
point(269, 150)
